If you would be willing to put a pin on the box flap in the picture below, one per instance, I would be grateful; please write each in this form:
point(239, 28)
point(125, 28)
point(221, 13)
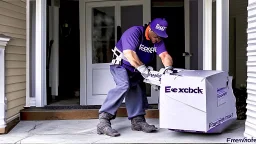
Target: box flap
point(198, 73)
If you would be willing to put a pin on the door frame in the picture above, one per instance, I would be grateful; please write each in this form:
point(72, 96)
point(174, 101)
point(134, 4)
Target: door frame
point(40, 99)
point(83, 45)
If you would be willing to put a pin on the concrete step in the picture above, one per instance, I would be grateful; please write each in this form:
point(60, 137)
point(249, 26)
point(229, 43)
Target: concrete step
point(74, 113)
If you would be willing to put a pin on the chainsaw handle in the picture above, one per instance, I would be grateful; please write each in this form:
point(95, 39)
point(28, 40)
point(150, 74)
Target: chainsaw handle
point(173, 71)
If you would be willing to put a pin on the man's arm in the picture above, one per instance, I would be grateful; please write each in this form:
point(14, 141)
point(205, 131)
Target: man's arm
point(132, 58)
point(135, 62)
point(164, 55)
point(130, 41)
point(166, 59)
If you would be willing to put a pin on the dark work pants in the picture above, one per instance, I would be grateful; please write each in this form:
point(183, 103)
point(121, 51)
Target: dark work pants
point(129, 86)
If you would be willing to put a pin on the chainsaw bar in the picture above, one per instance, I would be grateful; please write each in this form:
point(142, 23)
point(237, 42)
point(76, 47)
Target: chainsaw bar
point(154, 79)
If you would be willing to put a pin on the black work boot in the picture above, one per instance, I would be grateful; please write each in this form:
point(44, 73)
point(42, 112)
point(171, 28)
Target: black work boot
point(104, 127)
point(139, 124)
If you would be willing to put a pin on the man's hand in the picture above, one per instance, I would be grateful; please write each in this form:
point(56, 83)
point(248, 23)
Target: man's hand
point(145, 72)
point(168, 68)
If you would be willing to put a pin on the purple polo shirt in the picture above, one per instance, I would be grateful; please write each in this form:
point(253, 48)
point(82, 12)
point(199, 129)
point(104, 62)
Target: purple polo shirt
point(134, 39)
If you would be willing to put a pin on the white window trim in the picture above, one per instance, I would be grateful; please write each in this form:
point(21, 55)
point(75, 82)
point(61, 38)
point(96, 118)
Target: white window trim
point(39, 87)
point(3, 100)
point(27, 54)
point(222, 35)
point(40, 55)
point(205, 35)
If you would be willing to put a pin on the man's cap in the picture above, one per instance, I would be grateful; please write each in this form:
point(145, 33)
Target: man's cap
point(159, 26)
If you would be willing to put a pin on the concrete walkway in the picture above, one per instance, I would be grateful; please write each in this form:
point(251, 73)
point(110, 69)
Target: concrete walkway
point(84, 131)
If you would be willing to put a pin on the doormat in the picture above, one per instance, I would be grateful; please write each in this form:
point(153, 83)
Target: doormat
point(87, 107)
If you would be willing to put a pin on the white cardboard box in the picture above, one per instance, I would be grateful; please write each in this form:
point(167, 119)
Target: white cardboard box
point(197, 101)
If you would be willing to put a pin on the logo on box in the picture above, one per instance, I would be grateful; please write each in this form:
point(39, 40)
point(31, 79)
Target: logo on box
point(169, 89)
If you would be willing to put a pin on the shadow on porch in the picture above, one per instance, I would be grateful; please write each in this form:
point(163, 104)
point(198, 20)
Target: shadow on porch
point(84, 131)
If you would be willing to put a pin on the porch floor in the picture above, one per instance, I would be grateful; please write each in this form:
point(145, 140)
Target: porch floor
point(84, 131)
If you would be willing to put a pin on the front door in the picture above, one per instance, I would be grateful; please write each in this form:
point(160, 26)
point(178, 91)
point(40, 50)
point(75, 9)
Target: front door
point(175, 43)
point(102, 33)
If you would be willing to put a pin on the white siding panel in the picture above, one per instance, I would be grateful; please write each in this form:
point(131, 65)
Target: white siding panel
point(10, 6)
point(13, 24)
point(250, 125)
point(9, 21)
point(12, 14)
point(15, 72)
point(18, 3)
point(13, 30)
point(16, 50)
point(15, 95)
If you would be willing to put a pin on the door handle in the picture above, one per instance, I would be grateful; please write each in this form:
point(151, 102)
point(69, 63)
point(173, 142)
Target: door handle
point(185, 54)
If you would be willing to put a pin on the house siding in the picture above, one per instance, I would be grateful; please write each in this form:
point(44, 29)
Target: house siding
point(13, 24)
point(250, 124)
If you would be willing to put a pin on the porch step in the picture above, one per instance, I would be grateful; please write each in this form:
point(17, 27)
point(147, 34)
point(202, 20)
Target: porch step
point(75, 112)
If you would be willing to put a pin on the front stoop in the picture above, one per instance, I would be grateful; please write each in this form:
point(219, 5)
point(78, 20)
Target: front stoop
point(10, 126)
point(73, 114)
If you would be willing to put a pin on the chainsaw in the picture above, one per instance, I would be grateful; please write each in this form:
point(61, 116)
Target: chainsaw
point(154, 79)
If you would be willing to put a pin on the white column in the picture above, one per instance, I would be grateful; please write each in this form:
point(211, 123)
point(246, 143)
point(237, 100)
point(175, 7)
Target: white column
point(222, 35)
point(3, 99)
point(83, 62)
point(32, 49)
point(40, 54)
point(27, 53)
point(55, 52)
point(207, 34)
point(200, 34)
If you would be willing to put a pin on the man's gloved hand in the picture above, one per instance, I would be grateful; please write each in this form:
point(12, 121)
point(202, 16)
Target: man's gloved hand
point(145, 72)
point(168, 68)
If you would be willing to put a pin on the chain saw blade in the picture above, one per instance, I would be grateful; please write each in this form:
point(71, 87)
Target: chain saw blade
point(154, 78)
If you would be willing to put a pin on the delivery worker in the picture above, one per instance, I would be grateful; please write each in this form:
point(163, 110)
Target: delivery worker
point(132, 55)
